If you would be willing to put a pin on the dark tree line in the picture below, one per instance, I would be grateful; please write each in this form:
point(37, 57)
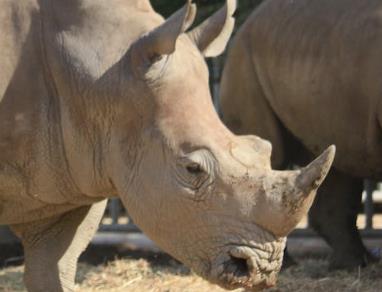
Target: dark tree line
point(205, 7)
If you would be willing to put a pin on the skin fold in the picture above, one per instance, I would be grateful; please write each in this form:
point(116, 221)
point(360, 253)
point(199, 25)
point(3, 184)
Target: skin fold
point(303, 75)
point(104, 98)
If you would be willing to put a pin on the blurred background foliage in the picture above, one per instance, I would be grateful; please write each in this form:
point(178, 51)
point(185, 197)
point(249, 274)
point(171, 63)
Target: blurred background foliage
point(205, 8)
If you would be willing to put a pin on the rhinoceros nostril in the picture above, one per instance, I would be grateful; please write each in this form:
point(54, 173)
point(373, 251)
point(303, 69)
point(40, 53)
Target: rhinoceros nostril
point(240, 266)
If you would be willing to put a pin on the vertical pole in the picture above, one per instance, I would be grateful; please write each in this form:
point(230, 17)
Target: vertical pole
point(114, 211)
point(368, 205)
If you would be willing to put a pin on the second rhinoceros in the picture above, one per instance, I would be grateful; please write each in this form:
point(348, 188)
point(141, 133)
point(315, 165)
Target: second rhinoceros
point(105, 98)
point(304, 74)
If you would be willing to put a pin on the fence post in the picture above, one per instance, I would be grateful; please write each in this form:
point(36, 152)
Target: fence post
point(369, 187)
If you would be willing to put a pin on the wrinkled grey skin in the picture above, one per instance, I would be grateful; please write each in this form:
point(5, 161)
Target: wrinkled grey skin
point(103, 98)
point(305, 74)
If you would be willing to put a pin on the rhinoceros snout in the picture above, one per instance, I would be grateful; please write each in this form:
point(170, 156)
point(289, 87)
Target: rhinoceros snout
point(250, 268)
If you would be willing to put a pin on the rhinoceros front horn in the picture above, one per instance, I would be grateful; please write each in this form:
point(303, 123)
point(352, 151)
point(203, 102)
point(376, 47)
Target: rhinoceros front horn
point(288, 195)
point(314, 174)
point(305, 184)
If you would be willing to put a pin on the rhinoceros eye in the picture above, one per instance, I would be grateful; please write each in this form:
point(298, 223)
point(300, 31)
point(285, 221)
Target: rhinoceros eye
point(194, 168)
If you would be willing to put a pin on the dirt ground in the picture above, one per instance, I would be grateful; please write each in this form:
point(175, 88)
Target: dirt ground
point(119, 269)
point(152, 272)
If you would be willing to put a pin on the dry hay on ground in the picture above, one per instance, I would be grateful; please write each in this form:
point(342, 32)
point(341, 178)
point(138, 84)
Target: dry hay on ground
point(136, 275)
point(312, 275)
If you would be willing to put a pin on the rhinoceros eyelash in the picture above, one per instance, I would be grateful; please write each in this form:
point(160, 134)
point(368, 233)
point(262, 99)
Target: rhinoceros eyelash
point(155, 58)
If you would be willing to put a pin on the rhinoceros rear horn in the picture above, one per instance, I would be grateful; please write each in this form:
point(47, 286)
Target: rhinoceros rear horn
point(162, 40)
point(211, 37)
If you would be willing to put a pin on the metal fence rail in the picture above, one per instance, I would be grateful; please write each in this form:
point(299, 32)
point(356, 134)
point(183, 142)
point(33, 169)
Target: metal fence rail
point(116, 219)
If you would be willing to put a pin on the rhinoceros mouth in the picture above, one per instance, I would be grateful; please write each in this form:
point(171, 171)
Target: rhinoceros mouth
point(250, 268)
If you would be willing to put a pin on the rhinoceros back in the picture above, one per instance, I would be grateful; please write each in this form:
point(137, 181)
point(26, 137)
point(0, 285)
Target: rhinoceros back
point(319, 65)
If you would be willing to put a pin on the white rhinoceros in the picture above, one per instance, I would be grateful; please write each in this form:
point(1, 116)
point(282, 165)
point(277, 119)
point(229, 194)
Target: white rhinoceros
point(103, 98)
point(304, 74)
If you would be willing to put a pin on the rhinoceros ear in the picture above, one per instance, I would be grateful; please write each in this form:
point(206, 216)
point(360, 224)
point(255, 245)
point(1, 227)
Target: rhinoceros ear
point(162, 40)
point(211, 37)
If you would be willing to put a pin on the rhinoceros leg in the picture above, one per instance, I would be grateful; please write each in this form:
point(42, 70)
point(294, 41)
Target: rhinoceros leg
point(334, 215)
point(52, 247)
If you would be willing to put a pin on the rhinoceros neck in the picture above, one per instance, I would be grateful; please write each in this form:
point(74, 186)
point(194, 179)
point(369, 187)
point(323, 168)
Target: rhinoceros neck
point(34, 172)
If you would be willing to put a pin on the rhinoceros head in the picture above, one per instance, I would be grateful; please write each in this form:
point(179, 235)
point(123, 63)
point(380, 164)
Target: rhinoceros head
point(203, 194)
